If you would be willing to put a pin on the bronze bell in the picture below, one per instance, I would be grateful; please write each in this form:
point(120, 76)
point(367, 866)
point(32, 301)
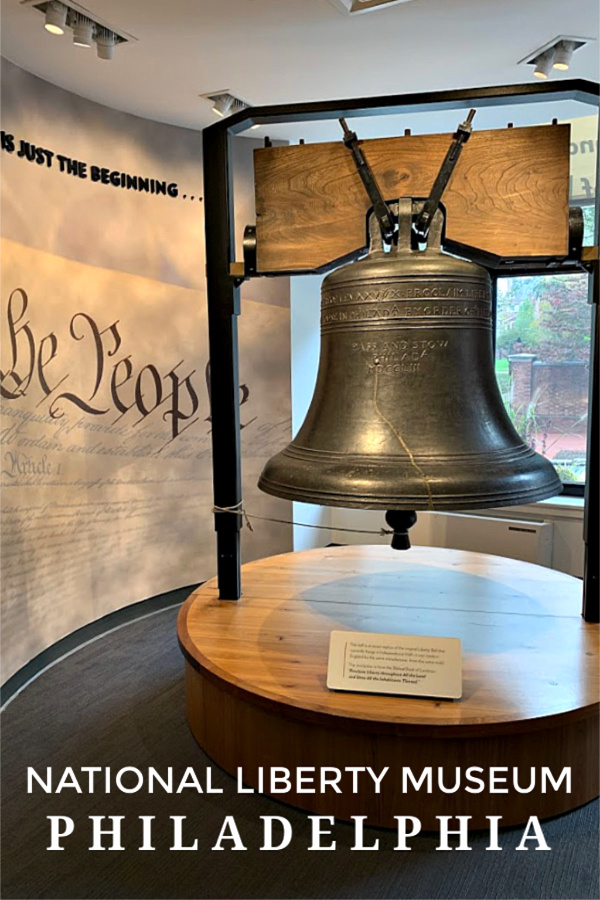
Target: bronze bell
point(407, 413)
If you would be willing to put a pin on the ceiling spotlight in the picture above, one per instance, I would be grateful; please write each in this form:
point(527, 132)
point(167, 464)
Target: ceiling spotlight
point(83, 32)
point(223, 104)
point(558, 52)
point(563, 55)
point(106, 41)
point(56, 18)
point(356, 7)
point(543, 64)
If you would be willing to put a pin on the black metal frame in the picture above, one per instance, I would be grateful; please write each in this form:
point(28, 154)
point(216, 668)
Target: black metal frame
point(224, 302)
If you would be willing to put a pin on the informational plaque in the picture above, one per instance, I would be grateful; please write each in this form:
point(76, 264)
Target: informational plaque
point(395, 664)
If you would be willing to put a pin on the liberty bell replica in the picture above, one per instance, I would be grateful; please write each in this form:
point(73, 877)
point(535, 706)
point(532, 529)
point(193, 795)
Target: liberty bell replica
point(407, 413)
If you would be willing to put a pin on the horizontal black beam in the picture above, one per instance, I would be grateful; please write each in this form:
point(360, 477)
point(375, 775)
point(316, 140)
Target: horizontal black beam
point(577, 89)
point(497, 266)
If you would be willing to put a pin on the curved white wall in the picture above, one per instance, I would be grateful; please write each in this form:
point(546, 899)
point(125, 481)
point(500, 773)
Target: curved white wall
point(106, 478)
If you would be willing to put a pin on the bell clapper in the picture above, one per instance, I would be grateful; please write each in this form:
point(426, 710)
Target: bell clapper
point(400, 520)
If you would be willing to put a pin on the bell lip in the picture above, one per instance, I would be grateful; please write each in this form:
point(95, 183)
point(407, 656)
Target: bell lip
point(440, 502)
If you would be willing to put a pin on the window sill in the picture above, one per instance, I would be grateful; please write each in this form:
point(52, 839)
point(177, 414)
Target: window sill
point(555, 508)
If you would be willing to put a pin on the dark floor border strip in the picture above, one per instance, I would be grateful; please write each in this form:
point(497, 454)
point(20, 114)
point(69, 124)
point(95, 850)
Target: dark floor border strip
point(87, 633)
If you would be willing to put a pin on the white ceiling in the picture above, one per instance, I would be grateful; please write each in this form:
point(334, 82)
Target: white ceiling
point(280, 51)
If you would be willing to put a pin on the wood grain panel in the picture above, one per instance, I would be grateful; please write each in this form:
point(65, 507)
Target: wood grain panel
point(236, 733)
point(508, 194)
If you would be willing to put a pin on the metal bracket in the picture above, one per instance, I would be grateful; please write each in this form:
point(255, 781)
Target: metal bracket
point(425, 218)
point(249, 249)
point(380, 207)
point(576, 228)
point(576, 259)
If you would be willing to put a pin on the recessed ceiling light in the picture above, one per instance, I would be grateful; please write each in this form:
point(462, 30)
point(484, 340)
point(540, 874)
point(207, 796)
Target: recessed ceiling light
point(563, 55)
point(543, 65)
point(560, 50)
point(56, 18)
point(222, 105)
point(83, 32)
point(357, 7)
point(106, 42)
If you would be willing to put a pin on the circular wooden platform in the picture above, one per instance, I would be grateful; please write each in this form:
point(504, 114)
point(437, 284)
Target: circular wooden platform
point(257, 697)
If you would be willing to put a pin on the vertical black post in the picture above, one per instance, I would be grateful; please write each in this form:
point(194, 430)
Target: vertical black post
point(591, 537)
point(223, 309)
point(591, 600)
point(494, 279)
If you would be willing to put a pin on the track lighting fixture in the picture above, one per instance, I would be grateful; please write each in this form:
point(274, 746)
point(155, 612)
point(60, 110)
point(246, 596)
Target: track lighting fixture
point(83, 32)
point(87, 27)
point(56, 17)
point(563, 55)
point(543, 65)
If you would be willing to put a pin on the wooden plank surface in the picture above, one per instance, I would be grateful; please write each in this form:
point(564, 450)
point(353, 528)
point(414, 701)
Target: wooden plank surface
point(236, 733)
point(508, 194)
point(528, 654)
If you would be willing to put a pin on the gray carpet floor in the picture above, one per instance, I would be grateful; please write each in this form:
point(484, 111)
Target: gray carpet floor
point(119, 702)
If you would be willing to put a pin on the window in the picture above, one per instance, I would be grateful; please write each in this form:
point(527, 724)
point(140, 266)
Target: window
point(543, 339)
point(543, 331)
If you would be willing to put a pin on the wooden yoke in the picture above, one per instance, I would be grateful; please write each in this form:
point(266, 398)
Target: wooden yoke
point(508, 196)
